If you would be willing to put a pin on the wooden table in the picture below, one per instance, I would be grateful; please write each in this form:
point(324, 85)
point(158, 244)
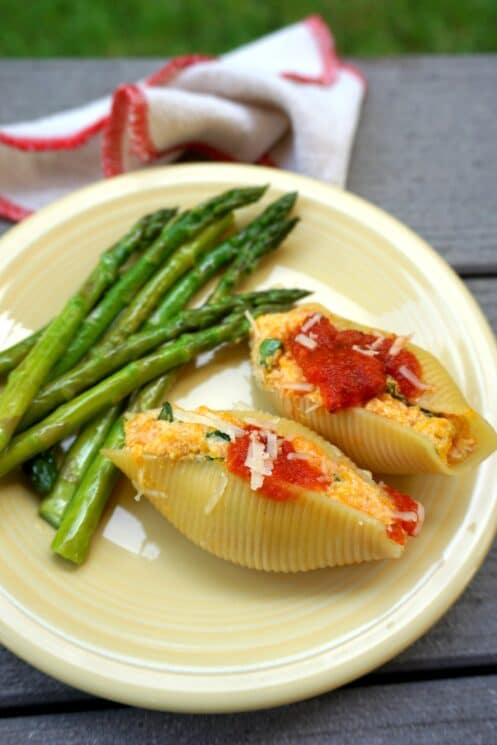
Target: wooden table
point(426, 151)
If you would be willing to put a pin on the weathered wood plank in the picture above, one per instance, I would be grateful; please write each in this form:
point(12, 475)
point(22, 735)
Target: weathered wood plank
point(428, 161)
point(484, 290)
point(445, 711)
point(417, 155)
point(465, 637)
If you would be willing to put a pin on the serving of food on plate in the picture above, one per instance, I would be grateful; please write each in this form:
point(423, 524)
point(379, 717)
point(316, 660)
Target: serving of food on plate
point(261, 491)
point(349, 432)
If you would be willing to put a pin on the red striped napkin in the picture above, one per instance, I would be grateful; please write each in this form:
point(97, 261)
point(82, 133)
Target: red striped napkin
point(285, 100)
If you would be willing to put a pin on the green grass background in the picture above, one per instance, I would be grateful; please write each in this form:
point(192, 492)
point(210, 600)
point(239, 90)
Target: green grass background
point(46, 28)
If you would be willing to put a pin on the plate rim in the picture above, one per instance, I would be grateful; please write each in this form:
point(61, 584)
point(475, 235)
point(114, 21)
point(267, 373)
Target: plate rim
point(13, 621)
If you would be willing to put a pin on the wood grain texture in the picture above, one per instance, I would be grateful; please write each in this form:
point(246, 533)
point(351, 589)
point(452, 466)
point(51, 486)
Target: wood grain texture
point(425, 149)
point(426, 152)
point(445, 711)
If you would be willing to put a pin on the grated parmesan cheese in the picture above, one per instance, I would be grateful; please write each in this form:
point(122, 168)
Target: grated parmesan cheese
point(210, 421)
point(366, 351)
point(259, 423)
point(271, 444)
point(421, 519)
point(398, 344)
point(250, 318)
point(300, 456)
point(377, 342)
point(243, 405)
point(149, 492)
point(311, 322)
point(408, 517)
point(412, 378)
point(298, 386)
point(216, 496)
point(306, 341)
point(258, 461)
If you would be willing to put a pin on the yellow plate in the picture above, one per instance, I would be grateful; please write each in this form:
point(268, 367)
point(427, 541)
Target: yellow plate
point(152, 620)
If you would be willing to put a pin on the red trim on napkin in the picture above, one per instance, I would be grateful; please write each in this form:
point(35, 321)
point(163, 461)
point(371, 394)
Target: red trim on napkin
point(129, 114)
point(67, 142)
point(177, 64)
point(13, 211)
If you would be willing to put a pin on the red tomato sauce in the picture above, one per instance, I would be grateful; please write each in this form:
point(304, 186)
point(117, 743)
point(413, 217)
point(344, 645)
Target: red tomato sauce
point(295, 472)
point(285, 474)
point(345, 376)
point(403, 526)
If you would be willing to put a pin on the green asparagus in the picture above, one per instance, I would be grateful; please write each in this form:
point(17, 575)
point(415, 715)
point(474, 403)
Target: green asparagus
point(87, 502)
point(131, 318)
point(140, 235)
point(74, 535)
point(184, 228)
point(149, 296)
point(25, 381)
point(82, 515)
point(248, 241)
point(78, 459)
point(151, 395)
point(264, 242)
point(12, 356)
point(244, 264)
point(88, 372)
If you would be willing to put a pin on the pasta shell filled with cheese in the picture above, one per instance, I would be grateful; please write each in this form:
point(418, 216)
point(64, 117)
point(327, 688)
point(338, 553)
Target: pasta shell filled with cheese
point(390, 405)
point(263, 492)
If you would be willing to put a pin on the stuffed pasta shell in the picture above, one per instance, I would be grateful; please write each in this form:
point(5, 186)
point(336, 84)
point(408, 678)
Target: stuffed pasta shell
point(390, 405)
point(263, 492)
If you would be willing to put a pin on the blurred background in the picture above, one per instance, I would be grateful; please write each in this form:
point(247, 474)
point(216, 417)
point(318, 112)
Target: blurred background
point(50, 28)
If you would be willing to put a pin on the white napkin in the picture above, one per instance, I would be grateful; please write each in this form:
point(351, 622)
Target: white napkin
point(284, 100)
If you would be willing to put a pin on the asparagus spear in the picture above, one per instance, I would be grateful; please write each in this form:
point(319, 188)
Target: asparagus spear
point(82, 514)
point(89, 493)
point(259, 242)
point(74, 535)
point(184, 228)
point(88, 372)
point(43, 471)
point(73, 538)
point(25, 380)
point(12, 356)
point(151, 395)
point(141, 234)
point(99, 317)
point(146, 300)
point(78, 459)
